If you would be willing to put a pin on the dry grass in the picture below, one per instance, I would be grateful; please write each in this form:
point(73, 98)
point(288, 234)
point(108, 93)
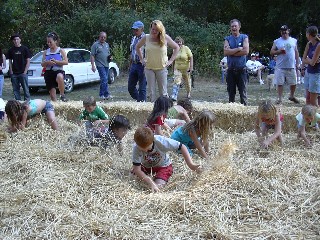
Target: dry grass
point(52, 188)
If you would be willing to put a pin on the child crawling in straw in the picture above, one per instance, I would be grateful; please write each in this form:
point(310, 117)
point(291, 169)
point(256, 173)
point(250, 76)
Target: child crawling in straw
point(307, 118)
point(18, 113)
point(96, 120)
point(179, 114)
point(195, 134)
point(118, 128)
point(150, 156)
point(268, 117)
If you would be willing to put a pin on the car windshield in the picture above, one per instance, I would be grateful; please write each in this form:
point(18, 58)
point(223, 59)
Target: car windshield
point(37, 58)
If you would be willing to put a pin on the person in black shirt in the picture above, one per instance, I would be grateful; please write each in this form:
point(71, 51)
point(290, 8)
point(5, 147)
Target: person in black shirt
point(19, 61)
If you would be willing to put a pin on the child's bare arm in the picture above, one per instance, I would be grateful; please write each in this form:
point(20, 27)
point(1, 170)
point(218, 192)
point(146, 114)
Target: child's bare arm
point(188, 159)
point(166, 126)
point(257, 127)
point(277, 132)
point(197, 143)
point(158, 130)
point(101, 121)
point(206, 145)
point(302, 133)
point(24, 120)
point(138, 172)
point(185, 115)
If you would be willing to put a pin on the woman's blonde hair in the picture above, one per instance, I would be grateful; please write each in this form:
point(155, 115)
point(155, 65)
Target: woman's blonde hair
point(308, 110)
point(267, 107)
point(203, 122)
point(162, 31)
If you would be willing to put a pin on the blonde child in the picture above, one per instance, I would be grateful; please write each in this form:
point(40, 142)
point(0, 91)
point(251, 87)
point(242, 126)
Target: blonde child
point(308, 117)
point(156, 120)
point(18, 113)
point(96, 120)
point(195, 133)
point(178, 114)
point(150, 156)
point(268, 117)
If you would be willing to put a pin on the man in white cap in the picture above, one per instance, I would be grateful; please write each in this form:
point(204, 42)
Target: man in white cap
point(136, 74)
point(255, 67)
point(287, 53)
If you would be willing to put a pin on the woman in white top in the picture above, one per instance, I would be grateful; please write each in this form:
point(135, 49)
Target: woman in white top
point(156, 58)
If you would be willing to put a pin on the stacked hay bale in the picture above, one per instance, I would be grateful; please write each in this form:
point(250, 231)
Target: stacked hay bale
point(231, 117)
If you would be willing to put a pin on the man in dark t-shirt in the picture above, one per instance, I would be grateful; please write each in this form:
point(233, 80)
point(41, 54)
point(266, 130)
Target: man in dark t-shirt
point(236, 48)
point(19, 61)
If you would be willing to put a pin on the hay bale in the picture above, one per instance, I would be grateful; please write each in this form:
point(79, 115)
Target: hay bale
point(231, 117)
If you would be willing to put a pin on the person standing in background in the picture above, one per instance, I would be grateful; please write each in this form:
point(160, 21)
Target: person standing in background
point(156, 61)
point(100, 55)
point(224, 66)
point(236, 48)
point(311, 58)
point(183, 67)
point(53, 60)
point(19, 62)
point(285, 47)
point(2, 66)
point(136, 74)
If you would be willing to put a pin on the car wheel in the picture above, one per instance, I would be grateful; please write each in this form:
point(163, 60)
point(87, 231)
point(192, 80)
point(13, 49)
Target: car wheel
point(112, 75)
point(33, 89)
point(68, 83)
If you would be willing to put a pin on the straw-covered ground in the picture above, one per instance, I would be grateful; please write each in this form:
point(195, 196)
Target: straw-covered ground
point(54, 187)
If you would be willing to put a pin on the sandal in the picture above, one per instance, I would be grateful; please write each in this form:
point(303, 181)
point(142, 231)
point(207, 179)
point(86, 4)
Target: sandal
point(278, 102)
point(293, 99)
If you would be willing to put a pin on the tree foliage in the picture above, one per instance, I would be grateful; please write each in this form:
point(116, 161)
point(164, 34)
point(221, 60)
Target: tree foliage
point(202, 24)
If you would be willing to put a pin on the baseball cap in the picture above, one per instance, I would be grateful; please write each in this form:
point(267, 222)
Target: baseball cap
point(137, 24)
point(14, 36)
point(252, 55)
point(284, 28)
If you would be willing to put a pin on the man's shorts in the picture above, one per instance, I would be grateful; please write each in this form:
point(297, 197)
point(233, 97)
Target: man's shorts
point(270, 79)
point(163, 173)
point(312, 82)
point(288, 75)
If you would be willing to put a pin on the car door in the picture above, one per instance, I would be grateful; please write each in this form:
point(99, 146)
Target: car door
point(76, 67)
point(92, 76)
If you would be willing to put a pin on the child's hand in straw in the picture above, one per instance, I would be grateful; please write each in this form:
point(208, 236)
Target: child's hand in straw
point(154, 188)
point(265, 143)
point(197, 168)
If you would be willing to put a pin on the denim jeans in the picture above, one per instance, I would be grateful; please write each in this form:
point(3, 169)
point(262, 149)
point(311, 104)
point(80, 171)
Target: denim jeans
point(137, 75)
point(103, 73)
point(18, 80)
point(1, 84)
point(237, 78)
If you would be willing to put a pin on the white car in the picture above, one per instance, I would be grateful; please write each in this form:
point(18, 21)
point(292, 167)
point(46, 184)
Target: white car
point(78, 71)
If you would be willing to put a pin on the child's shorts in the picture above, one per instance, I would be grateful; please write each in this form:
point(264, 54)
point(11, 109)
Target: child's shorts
point(48, 107)
point(163, 173)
